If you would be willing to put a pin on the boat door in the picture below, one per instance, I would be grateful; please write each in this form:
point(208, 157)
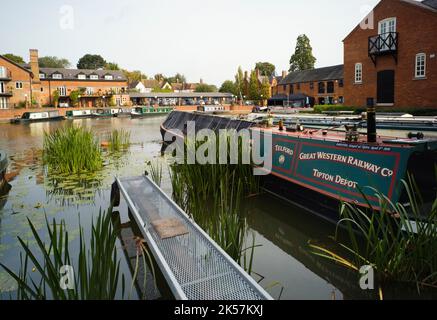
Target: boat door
point(386, 87)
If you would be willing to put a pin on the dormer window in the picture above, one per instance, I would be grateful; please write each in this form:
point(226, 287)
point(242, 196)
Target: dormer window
point(81, 76)
point(57, 76)
point(94, 77)
point(42, 76)
point(109, 77)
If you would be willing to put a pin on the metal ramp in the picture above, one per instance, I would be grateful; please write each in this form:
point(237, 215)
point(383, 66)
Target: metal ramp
point(195, 267)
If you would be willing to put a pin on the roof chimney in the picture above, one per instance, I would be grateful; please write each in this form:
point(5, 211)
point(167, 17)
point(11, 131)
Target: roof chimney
point(34, 65)
point(201, 81)
point(284, 74)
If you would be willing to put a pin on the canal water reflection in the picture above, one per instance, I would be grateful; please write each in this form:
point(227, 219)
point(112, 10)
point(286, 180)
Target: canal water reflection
point(283, 263)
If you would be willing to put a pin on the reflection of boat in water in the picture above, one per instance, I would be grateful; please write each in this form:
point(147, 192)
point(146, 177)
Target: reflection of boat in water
point(290, 228)
point(28, 117)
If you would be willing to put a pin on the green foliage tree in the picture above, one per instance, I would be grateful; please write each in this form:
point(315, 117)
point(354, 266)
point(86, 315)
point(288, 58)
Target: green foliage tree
point(159, 77)
point(14, 58)
point(203, 87)
point(135, 75)
point(265, 90)
point(254, 92)
point(229, 87)
point(91, 61)
point(239, 83)
point(161, 90)
point(179, 78)
point(112, 66)
point(265, 68)
point(53, 62)
point(303, 58)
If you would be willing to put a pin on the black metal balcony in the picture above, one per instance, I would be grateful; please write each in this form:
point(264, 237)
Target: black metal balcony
point(7, 93)
point(384, 44)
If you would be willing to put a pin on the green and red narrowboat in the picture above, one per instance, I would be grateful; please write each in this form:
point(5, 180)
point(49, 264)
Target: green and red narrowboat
point(325, 167)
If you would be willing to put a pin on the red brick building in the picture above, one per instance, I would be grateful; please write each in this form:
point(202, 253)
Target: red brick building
point(393, 62)
point(309, 87)
point(28, 86)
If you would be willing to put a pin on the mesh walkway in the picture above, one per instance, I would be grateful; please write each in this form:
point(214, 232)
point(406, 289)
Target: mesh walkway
point(195, 267)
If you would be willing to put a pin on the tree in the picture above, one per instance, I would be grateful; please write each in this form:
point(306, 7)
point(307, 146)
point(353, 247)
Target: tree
point(239, 83)
point(203, 87)
point(265, 90)
point(159, 77)
point(133, 76)
point(254, 92)
point(14, 58)
point(112, 66)
point(228, 87)
point(53, 62)
point(178, 78)
point(265, 68)
point(90, 61)
point(303, 58)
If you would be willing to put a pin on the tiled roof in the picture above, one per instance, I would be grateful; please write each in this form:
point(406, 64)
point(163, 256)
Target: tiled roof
point(72, 74)
point(430, 3)
point(320, 74)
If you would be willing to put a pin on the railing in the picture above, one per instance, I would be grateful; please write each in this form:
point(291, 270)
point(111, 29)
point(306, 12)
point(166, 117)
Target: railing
point(5, 75)
point(6, 93)
point(383, 43)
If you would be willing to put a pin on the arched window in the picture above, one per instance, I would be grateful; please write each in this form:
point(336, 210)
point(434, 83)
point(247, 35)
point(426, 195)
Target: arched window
point(420, 65)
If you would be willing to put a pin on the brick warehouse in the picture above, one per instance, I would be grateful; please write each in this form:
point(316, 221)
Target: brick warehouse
point(394, 63)
point(28, 85)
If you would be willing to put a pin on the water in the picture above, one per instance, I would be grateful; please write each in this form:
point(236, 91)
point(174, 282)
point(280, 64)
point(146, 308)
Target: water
point(283, 263)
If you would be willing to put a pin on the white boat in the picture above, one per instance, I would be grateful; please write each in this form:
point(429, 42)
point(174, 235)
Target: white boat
point(38, 117)
point(79, 114)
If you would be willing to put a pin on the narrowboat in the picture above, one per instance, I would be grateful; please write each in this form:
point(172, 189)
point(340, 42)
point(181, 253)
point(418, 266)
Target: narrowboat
point(38, 117)
point(75, 114)
point(326, 167)
point(214, 109)
point(124, 113)
point(141, 112)
point(3, 167)
point(102, 113)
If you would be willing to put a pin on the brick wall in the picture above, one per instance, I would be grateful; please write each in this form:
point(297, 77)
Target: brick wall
point(417, 28)
point(305, 88)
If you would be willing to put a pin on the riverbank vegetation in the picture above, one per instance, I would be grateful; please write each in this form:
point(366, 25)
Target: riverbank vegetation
point(119, 140)
point(94, 272)
point(399, 242)
point(211, 194)
point(72, 150)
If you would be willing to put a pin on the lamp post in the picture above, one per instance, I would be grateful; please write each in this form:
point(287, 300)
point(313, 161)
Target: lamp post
point(104, 101)
point(80, 104)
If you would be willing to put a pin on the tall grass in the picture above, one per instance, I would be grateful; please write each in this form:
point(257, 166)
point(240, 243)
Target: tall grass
point(399, 241)
point(72, 150)
point(96, 270)
point(119, 140)
point(155, 170)
point(211, 194)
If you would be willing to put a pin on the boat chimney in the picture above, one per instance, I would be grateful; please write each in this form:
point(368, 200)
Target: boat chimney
point(371, 120)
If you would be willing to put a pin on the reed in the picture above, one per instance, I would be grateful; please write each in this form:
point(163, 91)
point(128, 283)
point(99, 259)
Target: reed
point(399, 242)
point(119, 140)
point(72, 150)
point(96, 269)
point(211, 194)
point(155, 170)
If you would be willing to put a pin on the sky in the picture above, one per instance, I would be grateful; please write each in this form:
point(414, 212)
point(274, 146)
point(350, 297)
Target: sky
point(202, 39)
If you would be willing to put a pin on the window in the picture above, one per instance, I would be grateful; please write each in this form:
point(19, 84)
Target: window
point(3, 73)
point(420, 65)
point(42, 89)
point(284, 87)
point(340, 83)
point(298, 86)
point(311, 85)
point(94, 77)
point(62, 91)
point(89, 91)
point(57, 76)
point(358, 73)
point(321, 87)
point(81, 76)
point(330, 86)
point(109, 77)
point(3, 103)
point(19, 85)
point(341, 100)
point(386, 28)
point(291, 89)
point(42, 76)
point(2, 87)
